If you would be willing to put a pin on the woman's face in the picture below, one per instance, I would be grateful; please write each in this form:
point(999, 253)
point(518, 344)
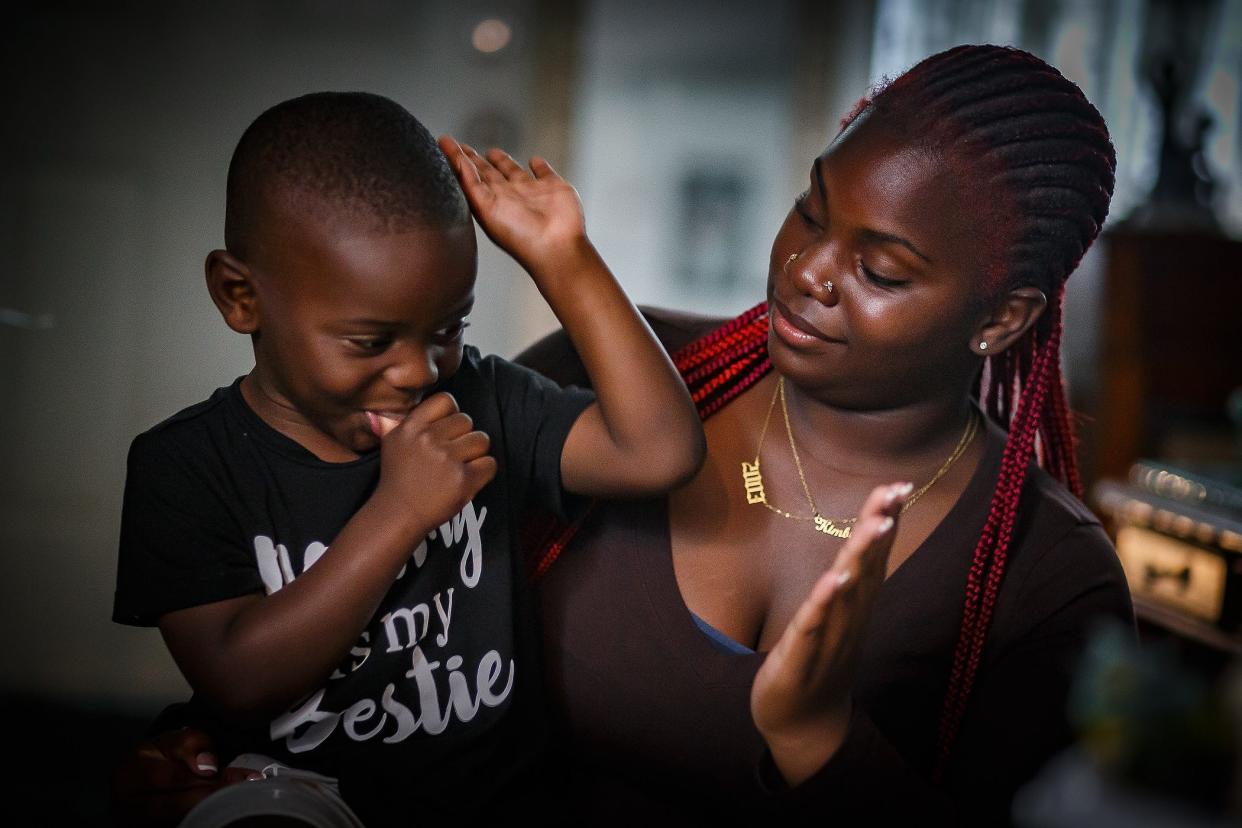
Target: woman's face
point(890, 228)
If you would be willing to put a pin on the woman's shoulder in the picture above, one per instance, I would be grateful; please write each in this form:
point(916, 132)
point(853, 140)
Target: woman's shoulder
point(1062, 562)
point(554, 356)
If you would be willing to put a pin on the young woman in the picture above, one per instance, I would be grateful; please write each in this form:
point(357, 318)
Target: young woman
point(756, 639)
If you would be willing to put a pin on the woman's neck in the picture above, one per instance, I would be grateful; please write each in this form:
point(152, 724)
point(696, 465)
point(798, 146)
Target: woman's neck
point(877, 443)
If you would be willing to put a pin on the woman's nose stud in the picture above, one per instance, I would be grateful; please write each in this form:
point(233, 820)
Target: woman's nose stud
point(828, 285)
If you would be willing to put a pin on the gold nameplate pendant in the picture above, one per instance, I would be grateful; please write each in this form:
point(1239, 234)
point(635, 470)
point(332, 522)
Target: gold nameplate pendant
point(825, 525)
point(753, 481)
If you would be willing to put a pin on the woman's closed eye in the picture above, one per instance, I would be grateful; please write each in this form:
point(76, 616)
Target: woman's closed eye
point(802, 208)
point(879, 280)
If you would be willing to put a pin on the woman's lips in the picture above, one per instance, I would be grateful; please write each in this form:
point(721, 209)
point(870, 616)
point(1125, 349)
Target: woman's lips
point(795, 330)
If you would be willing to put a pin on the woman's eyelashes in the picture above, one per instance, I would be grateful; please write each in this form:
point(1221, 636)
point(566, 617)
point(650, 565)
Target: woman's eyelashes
point(802, 209)
point(877, 279)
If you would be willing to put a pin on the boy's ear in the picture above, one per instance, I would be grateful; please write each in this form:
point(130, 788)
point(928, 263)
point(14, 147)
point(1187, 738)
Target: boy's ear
point(1011, 317)
point(232, 288)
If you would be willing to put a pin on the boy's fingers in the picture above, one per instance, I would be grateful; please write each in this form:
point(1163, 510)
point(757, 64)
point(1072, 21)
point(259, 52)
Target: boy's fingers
point(465, 170)
point(471, 446)
point(505, 163)
point(481, 471)
point(436, 407)
point(450, 428)
point(448, 145)
point(541, 169)
point(484, 167)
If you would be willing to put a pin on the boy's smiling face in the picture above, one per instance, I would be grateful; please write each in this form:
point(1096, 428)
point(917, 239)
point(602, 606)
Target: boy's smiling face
point(352, 321)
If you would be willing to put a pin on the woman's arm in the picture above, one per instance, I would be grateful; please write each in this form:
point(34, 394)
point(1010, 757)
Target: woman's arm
point(1016, 719)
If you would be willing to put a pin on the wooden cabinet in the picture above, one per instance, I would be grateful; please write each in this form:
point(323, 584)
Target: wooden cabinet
point(1169, 353)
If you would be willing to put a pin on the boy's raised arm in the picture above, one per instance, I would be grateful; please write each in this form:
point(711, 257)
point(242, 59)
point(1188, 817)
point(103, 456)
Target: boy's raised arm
point(643, 434)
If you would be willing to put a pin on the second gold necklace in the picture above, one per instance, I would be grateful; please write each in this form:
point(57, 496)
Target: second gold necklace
point(752, 476)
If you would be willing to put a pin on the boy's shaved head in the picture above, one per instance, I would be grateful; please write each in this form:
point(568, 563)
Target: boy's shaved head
point(349, 154)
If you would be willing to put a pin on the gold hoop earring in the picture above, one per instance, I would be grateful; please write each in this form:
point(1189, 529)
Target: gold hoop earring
point(788, 262)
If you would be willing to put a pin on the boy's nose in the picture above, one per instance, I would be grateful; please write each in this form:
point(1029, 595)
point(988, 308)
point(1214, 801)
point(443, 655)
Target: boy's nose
point(413, 372)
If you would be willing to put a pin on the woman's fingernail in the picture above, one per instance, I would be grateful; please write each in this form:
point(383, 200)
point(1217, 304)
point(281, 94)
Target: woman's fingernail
point(206, 763)
point(905, 489)
point(842, 577)
point(885, 526)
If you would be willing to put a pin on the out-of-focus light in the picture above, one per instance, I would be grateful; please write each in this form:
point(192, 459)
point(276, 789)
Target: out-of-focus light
point(491, 35)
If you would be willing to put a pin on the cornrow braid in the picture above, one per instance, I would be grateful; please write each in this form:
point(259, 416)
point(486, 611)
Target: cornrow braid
point(1042, 150)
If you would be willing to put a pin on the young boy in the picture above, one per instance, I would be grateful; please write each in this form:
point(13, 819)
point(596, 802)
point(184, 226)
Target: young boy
point(328, 544)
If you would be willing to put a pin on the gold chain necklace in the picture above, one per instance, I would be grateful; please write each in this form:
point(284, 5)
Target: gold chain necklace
point(752, 477)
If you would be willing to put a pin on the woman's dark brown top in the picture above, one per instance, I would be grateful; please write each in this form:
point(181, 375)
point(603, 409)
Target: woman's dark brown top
point(655, 716)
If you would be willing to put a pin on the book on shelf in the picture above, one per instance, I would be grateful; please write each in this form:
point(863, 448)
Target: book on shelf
point(1179, 538)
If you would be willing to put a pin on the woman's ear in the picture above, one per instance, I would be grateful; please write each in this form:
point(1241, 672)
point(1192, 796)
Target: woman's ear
point(1011, 317)
point(232, 288)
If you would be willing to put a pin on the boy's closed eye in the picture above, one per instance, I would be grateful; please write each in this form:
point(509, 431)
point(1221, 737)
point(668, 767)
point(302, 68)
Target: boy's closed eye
point(369, 345)
point(377, 344)
point(451, 333)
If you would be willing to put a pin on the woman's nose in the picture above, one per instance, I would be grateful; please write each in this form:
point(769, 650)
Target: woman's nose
point(810, 275)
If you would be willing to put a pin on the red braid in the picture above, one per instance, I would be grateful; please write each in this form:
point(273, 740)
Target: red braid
point(1040, 410)
point(716, 367)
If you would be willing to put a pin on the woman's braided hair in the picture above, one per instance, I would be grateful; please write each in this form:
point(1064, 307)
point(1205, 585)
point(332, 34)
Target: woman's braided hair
point(1037, 148)
point(1042, 154)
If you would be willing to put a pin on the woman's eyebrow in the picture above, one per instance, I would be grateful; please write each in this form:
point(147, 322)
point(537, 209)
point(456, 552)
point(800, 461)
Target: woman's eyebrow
point(874, 236)
point(879, 236)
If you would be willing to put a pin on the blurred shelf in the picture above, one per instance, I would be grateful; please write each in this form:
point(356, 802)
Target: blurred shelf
point(1155, 613)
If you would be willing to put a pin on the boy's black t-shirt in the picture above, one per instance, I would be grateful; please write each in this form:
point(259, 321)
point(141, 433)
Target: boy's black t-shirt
point(437, 707)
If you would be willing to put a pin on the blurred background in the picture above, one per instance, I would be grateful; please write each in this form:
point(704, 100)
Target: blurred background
point(687, 127)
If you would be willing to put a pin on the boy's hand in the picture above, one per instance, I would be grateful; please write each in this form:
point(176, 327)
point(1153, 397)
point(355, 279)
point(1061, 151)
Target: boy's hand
point(535, 216)
point(432, 462)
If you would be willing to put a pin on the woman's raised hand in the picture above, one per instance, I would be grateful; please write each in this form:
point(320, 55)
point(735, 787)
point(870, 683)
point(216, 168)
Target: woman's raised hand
point(535, 215)
point(800, 699)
